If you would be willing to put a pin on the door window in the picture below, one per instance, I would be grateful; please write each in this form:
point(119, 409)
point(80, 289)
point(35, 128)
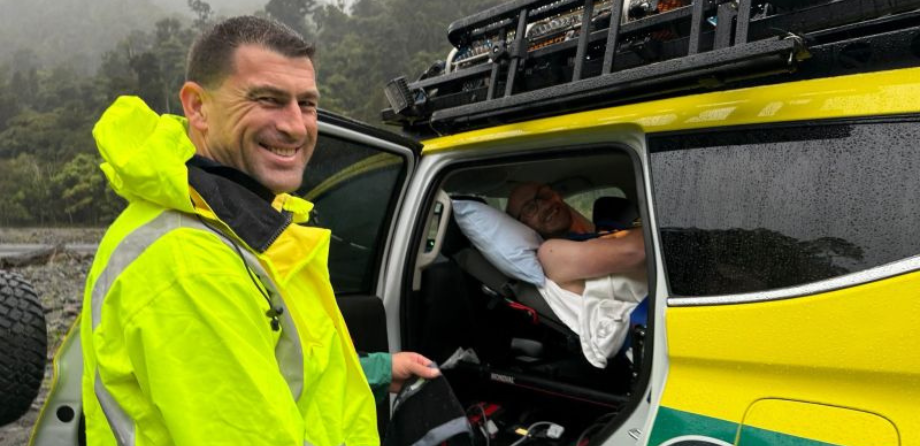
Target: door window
point(762, 209)
point(583, 202)
point(354, 189)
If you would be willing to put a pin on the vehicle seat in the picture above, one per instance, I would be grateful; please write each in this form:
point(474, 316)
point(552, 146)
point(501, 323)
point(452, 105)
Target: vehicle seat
point(460, 250)
point(501, 286)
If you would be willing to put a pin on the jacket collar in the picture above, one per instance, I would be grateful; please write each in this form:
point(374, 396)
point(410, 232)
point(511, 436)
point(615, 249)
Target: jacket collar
point(249, 215)
point(213, 167)
point(258, 218)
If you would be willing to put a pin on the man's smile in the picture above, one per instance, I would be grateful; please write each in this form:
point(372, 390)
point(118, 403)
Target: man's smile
point(284, 152)
point(552, 213)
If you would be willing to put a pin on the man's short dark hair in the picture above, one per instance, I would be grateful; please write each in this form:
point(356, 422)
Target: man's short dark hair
point(210, 59)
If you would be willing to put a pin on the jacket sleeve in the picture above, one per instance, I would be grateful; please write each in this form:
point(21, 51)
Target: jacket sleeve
point(203, 352)
point(378, 368)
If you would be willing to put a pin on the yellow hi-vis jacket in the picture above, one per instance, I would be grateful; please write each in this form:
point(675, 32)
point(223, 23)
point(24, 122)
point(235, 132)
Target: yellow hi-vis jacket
point(177, 328)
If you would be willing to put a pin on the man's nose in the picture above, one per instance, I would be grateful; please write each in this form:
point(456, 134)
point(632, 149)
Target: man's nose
point(292, 122)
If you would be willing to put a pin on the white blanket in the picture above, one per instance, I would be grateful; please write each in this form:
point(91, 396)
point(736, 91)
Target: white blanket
point(600, 316)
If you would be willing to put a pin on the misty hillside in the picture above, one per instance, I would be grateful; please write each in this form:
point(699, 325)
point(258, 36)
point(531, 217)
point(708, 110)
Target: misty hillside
point(72, 32)
point(77, 32)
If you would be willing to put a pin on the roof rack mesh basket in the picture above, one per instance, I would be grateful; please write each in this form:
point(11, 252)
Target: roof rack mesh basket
point(531, 58)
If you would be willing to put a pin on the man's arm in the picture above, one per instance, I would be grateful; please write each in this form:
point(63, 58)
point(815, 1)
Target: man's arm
point(378, 369)
point(566, 261)
point(387, 372)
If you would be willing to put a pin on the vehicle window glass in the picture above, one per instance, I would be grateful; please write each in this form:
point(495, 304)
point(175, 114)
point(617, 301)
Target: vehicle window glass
point(775, 207)
point(583, 202)
point(354, 189)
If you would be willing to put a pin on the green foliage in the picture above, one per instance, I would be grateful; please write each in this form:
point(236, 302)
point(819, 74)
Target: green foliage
point(23, 195)
point(149, 65)
point(382, 39)
point(293, 13)
point(83, 193)
point(34, 192)
point(203, 13)
point(9, 106)
point(24, 86)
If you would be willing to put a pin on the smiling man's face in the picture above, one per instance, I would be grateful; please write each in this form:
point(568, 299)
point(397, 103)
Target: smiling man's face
point(262, 118)
point(540, 207)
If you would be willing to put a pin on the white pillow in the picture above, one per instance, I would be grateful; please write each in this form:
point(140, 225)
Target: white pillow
point(508, 244)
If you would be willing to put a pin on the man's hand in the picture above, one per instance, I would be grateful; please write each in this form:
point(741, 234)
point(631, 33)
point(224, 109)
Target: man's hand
point(409, 364)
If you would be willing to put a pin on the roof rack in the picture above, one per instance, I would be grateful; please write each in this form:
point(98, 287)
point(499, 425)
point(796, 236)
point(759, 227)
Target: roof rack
point(531, 58)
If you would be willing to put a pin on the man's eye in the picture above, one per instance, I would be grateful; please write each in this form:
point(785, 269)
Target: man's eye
point(267, 100)
point(529, 209)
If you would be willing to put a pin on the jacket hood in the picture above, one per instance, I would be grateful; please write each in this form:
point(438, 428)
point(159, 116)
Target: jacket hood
point(145, 153)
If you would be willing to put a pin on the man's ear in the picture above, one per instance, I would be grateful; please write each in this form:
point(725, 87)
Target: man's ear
point(192, 96)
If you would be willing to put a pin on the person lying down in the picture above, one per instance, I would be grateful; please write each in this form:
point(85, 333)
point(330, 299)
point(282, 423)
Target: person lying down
point(592, 285)
point(595, 277)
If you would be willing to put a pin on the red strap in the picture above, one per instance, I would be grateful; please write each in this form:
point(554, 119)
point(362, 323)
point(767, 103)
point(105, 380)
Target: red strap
point(525, 308)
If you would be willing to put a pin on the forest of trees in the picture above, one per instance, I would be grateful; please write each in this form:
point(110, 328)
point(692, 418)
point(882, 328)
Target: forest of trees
point(49, 174)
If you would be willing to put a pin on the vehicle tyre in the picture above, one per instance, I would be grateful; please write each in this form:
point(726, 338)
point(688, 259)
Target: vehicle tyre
point(23, 346)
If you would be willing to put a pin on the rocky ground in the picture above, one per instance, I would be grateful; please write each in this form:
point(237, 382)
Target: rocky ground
point(50, 236)
point(59, 283)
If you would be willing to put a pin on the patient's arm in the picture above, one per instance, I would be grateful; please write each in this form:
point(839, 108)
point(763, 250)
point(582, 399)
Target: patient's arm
point(569, 262)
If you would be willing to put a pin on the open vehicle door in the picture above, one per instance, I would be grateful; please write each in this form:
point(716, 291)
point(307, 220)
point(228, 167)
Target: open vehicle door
point(357, 180)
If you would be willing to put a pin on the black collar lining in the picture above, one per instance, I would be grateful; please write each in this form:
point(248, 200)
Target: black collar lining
point(247, 210)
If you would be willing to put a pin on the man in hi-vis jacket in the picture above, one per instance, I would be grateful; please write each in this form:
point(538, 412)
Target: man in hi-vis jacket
point(208, 316)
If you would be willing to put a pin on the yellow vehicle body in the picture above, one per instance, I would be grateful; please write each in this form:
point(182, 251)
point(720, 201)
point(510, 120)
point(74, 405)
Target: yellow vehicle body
point(871, 94)
point(839, 367)
point(816, 353)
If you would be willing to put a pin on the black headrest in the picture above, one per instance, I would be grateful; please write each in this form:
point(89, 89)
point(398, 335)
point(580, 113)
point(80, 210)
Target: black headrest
point(614, 213)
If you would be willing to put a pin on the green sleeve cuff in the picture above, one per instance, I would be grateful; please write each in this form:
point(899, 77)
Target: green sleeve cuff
point(378, 368)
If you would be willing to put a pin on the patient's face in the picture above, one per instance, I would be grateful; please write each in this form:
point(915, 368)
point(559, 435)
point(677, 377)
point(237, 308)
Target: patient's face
point(541, 208)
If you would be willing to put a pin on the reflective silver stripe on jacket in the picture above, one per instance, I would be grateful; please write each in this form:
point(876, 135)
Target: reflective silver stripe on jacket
point(288, 351)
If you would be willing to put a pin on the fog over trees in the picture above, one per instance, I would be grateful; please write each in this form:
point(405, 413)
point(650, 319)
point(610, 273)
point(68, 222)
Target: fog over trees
point(62, 62)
